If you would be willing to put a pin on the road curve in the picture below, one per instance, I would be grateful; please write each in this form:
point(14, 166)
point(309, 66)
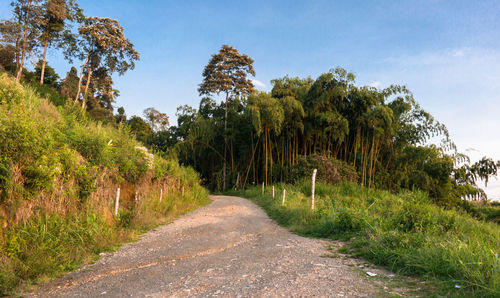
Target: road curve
point(228, 248)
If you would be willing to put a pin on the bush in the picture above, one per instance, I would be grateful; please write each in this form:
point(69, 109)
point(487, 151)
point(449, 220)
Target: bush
point(330, 170)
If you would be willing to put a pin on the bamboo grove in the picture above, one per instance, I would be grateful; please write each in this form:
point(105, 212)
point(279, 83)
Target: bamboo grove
point(382, 133)
point(299, 117)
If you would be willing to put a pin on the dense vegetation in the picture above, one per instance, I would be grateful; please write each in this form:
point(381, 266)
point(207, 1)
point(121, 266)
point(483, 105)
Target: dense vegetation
point(384, 134)
point(405, 232)
point(59, 174)
point(64, 152)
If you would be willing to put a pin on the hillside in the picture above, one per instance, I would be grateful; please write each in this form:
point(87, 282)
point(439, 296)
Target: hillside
point(59, 176)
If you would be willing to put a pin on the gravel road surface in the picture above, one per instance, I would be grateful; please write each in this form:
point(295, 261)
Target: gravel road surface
point(229, 248)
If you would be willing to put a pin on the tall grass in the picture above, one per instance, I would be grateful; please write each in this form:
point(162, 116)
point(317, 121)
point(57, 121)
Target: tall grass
point(405, 232)
point(59, 172)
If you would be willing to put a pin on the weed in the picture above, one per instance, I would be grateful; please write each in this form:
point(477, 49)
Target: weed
point(406, 233)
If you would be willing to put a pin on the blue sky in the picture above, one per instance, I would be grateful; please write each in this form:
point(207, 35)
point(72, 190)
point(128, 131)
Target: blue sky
point(446, 52)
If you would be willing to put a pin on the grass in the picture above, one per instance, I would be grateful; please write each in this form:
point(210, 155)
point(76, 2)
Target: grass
point(59, 174)
point(406, 233)
point(50, 245)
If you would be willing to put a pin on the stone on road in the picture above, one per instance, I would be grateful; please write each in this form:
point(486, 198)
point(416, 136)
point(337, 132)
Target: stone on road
point(228, 248)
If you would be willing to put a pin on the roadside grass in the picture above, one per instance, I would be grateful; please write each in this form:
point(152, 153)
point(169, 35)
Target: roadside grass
point(406, 233)
point(59, 174)
point(50, 245)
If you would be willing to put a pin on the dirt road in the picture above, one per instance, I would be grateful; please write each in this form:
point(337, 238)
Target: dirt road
point(229, 248)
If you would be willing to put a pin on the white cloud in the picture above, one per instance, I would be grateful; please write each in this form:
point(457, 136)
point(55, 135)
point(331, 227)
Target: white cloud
point(258, 83)
point(375, 84)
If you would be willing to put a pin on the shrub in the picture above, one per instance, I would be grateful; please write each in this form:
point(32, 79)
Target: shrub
point(329, 170)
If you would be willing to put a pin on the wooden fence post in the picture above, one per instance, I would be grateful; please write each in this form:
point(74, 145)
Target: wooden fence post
point(312, 188)
point(273, 191)
point(117, 201)
point(284, 195)
point(262, 187)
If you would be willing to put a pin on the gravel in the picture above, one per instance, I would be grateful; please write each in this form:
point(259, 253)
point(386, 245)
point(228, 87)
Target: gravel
point(229, 248)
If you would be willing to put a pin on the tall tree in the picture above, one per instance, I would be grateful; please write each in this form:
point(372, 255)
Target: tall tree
point(226, 72)
point(27, 14)
point(50, 25)
point(140, 128)
point(121, 116)
point(53, 23)
point(485, 168)
point(8, 57)
point(51, 76)
point(10, 37)
point(268, 117)
point(156, 119)
point(69, 84)
point(103, 44)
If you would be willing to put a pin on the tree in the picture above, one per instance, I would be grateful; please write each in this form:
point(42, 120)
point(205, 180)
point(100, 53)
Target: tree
point(484, 169)
point(268, 117)
point(51, 25)
point(140, 128)
point(120, 117)
point(10, 33)
point(227, 72)
point(51, 77)
point(103, 44)
point(186, 116)
point(99, 91)
point(69, 84)
point(27, 14)
point(157, 120)
point(8, 57)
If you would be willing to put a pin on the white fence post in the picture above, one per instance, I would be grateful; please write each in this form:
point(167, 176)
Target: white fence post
point(284, 195)
point(161, 194)
point(312, 188)
point(273, 191)
point(117, 201)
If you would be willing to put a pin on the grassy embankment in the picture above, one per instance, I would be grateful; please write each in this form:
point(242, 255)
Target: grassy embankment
point(59, 174)
point(405, 232)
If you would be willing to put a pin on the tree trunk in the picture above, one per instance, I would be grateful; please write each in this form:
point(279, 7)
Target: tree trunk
point(225, 146)
point(45, 46)
point(254, 149)
point(81, 77)
point(18, 40)
point(86, 88)
point(23, 56)
point(25, 41)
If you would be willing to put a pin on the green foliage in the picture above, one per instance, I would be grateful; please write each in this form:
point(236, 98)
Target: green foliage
point(329, 170)
point(86, 178)
point(51, 94)
point(488, 213)
point(404, 232)
point(140, 128)
point(382, 133)
point(59, 154)
point(5, 176)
